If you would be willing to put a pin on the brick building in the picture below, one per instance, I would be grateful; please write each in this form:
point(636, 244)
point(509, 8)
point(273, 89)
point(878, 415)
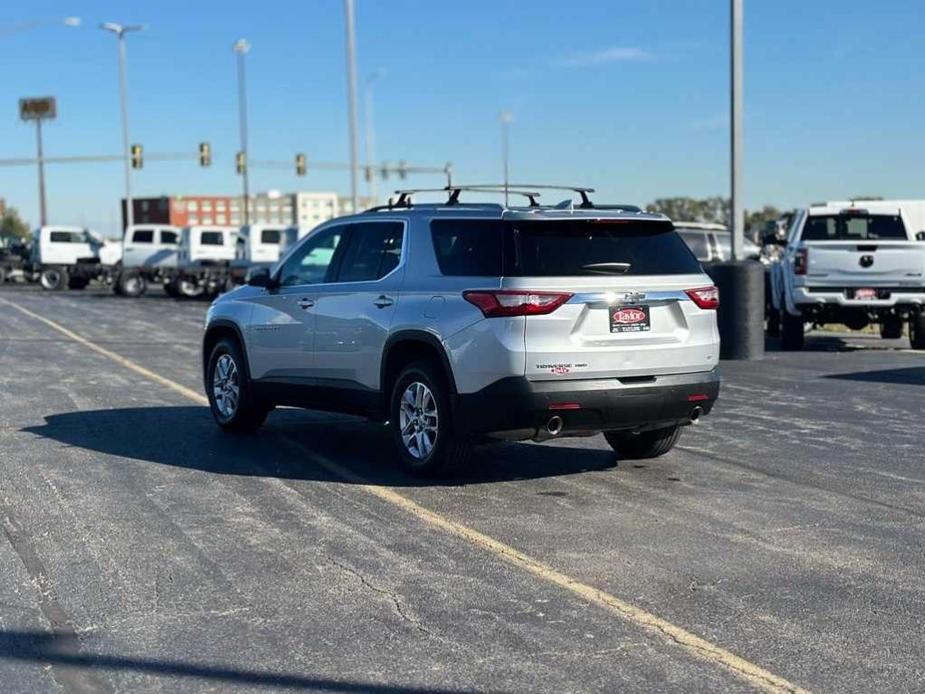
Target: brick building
point(303, 208)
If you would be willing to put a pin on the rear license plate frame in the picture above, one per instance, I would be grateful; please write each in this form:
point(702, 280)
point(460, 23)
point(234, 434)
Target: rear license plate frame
point(622, 319)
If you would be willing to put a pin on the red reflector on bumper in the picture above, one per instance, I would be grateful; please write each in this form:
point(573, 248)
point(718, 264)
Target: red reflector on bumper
point(565, 406)
point(698, 397)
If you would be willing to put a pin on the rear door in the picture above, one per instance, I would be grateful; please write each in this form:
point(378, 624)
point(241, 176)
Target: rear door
point(139, 245)
point(168, 244)
point(629, 314)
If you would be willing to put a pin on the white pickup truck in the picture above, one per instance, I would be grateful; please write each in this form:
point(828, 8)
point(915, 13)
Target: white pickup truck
point(64, 256)
point(149, 256)
point(203, 261)
point(850, 264)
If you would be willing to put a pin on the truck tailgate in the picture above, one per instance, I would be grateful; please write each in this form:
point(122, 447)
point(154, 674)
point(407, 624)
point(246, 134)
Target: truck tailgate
point(865, 263)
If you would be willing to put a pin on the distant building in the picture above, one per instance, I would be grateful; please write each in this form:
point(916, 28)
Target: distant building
point(302, 208)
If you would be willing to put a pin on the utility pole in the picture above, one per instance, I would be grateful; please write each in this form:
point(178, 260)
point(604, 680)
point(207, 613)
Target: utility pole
point(241, 47)
point(352, 101)
point(373, 185)
point(736, 145)
point(120, 30)
point(43, 210)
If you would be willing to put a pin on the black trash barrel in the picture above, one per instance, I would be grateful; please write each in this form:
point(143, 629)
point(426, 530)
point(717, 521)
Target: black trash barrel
point(741, 308)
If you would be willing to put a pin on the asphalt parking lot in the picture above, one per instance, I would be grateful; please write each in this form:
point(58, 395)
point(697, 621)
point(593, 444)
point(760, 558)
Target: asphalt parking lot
point(145, 550)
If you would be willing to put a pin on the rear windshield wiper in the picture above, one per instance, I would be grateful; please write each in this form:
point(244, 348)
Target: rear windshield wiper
point(607, 268)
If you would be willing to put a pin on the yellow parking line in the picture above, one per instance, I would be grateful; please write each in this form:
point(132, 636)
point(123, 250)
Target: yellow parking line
point(691, 643)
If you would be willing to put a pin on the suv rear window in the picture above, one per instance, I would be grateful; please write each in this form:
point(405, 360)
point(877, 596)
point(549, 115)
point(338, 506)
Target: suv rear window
point(854, 227)
point(566, 248)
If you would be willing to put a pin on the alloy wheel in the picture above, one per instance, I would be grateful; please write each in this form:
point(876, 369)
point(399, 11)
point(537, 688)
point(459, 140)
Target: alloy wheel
point(418, 420)
point(225, 386)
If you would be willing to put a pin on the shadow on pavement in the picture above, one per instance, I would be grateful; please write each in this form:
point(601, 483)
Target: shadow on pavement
point(914, 376)
point(52, 649)
point(187, 437)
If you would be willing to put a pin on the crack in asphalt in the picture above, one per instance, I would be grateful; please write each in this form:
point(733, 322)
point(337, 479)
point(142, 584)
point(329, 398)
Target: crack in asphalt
point(396, 603)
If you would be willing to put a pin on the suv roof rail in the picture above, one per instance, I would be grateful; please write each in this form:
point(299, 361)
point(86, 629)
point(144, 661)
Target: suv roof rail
point(453, 191)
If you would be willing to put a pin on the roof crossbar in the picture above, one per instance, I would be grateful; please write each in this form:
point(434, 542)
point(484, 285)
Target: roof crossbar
point(581, 190)
point(404, 196)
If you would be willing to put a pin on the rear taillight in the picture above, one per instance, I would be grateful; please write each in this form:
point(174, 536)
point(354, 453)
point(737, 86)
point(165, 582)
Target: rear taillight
point(801, 261)
point(494, 304)
point(704, 297)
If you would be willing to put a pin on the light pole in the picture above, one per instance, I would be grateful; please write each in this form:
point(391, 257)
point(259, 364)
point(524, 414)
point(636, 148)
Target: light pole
point(120, 30)
point(736, 143)
point(241, 47)
point(506, 119)
point(370, 137)
point(352, 100)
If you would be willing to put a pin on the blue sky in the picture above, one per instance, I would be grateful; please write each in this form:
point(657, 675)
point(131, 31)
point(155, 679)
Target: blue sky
point(630, 97)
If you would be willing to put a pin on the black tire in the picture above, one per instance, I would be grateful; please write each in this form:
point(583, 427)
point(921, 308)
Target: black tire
point(645, 444)
point(917, 331)
point(77, 283)
point(131, 284)
point(773, 322)
point(170, 290)
point(185, 289)
point(54, 278)
point(4, 274)
point(792, 336)
point(891, 328)
point(248, 412)
point(448, 454)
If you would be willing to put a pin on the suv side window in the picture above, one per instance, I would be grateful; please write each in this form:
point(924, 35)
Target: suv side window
point(373, 252)
point(310, 263)
point(468, 247)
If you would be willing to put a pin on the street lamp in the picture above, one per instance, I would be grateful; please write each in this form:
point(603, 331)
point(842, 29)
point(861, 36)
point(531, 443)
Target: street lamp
point(241, 48)
point(370, 137)
point(120, 30)
point(506, 119)
point(20, 27)
point(352, 100)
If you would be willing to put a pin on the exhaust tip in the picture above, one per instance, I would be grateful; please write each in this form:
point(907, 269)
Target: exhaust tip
point(554, 425)
point(696, 414)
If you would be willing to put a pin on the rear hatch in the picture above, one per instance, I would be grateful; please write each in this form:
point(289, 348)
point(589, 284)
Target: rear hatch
point(629, 315)
point(857, 249)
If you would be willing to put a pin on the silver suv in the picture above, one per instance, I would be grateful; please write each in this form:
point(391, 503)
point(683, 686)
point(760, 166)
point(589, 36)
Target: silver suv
point(457, 323)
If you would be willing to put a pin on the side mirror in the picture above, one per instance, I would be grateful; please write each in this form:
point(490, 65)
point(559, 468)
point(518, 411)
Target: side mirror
point(920, 236)
point(259, 277)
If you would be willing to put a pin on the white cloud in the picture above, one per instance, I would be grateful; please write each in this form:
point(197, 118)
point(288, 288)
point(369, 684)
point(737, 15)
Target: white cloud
point(604, 56)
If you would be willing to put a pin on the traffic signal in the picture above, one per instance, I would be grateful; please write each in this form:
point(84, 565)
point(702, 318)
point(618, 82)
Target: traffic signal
point(205, 154)
point(368, 173)
point(385, 172)
point(240, 162)
point(300, 165)
point(402, 170)
point(137, 157)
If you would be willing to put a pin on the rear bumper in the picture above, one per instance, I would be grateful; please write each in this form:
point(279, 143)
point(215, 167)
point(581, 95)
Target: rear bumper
point(521, 408)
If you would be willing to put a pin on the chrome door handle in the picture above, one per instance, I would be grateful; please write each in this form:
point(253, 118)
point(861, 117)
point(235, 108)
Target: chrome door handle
point(306, 303)
point(384, 301)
